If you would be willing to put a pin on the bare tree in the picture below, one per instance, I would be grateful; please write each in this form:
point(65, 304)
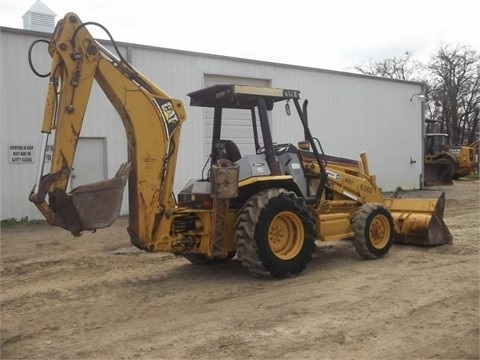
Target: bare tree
point(452, 82)
point(403, 67)
point(454, 92)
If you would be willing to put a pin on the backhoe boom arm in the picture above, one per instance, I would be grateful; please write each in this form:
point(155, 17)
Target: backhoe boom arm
point(147, 112)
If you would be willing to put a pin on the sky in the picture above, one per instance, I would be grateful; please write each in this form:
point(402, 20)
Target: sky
point(333, 34)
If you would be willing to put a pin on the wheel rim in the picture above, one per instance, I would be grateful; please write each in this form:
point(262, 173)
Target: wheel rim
point(379, 231)
point(286, 235)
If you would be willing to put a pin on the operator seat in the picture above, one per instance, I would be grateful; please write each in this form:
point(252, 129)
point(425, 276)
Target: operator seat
point(226, 149)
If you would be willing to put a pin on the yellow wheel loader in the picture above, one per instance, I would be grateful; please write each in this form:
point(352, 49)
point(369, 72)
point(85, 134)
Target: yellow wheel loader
point(268, 207)
point(444, 163)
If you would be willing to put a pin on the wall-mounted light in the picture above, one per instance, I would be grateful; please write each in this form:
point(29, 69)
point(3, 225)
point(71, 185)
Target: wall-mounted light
point(420, 97)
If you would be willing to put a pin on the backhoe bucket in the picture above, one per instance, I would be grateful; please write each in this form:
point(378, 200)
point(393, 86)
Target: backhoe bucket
point(438, 173)
point(98, 204)
point(87, 207)
point(419, 221)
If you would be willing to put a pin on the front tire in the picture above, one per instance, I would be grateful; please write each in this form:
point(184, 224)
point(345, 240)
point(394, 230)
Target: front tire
point(275, 234)
point(445, 169)
point(374, 232)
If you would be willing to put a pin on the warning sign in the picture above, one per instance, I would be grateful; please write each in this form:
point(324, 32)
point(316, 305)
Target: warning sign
point(20, 154)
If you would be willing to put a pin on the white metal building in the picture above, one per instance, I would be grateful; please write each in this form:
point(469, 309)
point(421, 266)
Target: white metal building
point(348, 113)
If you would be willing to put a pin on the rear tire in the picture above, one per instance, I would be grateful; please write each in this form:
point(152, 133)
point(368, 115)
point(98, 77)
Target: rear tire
point(374, 232)
point(275, 234)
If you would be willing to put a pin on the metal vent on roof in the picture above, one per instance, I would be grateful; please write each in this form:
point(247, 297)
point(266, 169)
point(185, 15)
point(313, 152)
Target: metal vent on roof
point(39, 18)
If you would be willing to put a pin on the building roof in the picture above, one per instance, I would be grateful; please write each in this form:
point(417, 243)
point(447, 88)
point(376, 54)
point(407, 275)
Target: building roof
point(243, 60)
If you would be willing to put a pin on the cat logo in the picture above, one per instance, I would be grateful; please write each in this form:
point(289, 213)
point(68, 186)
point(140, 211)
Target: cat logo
point(169, 113)
point(169, 116)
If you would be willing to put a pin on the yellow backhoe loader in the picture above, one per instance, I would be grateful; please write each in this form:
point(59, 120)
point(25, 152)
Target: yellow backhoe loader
point(267, 207)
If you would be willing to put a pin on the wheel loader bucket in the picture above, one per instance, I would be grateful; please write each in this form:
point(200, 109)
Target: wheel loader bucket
point(419, 221)
point(438, 173)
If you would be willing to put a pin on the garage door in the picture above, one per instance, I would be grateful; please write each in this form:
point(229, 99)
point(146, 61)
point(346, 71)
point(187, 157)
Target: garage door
point(237, 124)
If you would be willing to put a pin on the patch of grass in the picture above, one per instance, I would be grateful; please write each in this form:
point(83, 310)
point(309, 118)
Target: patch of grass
point(472, 177)
point(12, 222)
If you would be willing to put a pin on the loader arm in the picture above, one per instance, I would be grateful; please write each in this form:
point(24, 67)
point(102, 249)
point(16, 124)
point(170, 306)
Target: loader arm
point(416, 221)
point(152, 121)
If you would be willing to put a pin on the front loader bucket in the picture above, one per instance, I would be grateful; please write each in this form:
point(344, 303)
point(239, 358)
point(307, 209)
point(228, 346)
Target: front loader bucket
point(419, 221)
point(438, 173)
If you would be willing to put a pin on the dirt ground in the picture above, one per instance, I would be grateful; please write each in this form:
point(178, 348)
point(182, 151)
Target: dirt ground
point(96, 297)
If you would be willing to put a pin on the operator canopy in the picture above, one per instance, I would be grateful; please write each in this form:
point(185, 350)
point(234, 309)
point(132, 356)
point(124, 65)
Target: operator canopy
point(239, 96)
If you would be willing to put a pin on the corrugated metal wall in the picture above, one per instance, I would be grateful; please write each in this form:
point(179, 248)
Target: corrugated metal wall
point(347, 112)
